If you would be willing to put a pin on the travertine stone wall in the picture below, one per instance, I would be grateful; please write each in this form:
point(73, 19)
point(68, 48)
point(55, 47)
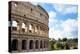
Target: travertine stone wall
point(37, 17)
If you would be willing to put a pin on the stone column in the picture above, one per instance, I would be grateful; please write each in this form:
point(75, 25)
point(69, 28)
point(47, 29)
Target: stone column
point(19, 45)
point(28, 44)
point(41, 32)
point(45, 33)
point(20, 26)
point(38, 30)
point(27, 27)
point(33, 28)
point(34, 44)
point(40, 44)
point(47, 44)
point(43, 44)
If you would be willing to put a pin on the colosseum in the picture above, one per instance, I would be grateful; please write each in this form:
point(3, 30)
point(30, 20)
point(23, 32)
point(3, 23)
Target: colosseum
point(28, 27)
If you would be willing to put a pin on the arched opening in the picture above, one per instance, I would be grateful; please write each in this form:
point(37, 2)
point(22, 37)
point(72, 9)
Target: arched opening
point(31, 28)
point(36, 44)
point(23, 27)
point(14, 44)
point(36, 29)
point(14, 25)
point(23, 44)
point(41, 44)
point(40, 31)
point(31, 44)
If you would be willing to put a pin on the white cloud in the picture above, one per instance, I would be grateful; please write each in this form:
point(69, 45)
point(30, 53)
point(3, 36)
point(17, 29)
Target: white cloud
point(62, 29)
point(68, 26)
point(53, 33)
point(59, 7)
point(65, 9)
point(52, 14)
point(70, 10)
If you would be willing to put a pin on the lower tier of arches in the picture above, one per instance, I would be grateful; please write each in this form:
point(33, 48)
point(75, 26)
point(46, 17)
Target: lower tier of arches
point(28, 44)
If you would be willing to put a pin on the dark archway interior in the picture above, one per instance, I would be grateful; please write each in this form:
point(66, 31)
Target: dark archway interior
point(44, 44)
point(41, 44)
point(14, 45)
point(31, 44)
point(36, 44)
point(24, 44)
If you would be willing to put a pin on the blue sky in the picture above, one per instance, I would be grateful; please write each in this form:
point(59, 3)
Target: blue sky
point(62, 20)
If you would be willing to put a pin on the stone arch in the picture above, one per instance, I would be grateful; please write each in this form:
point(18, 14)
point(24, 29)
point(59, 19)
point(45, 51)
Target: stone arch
point(31, 28)
point(36, 44)
point(36, 29)
point(15, 25)
point(23, 27)
point(23, 44)
point(14, 44)
point(31, 44)
point(40, 30)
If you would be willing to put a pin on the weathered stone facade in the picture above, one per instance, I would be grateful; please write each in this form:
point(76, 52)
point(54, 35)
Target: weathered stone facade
point(34, 35)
